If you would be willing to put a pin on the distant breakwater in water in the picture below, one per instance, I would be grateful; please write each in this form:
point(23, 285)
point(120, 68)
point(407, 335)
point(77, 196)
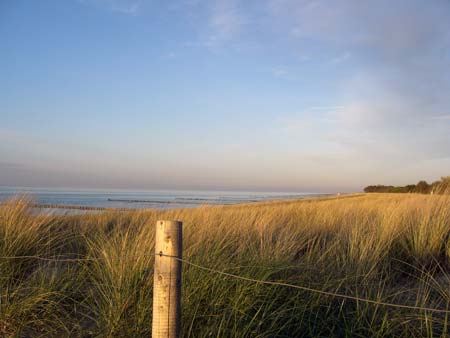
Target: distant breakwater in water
point(75, 207)
point(95, 200)
point(72, 207)
point(176, 201)
point(183, 201)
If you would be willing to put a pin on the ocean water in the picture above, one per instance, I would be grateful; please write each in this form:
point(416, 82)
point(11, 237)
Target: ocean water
point(138, 199)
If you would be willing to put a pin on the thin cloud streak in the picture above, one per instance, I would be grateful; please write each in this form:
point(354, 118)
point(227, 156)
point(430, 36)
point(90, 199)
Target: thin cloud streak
point(128, 7)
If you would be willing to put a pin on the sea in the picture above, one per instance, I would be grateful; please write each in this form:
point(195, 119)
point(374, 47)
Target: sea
point(141, 199)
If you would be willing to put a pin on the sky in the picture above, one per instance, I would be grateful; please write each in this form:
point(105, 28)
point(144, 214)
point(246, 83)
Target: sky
point(264, 95)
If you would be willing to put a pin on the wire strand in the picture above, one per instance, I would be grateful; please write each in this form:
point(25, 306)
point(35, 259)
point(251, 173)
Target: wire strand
point(304, 288)
point(248, 279)
point(49, 259)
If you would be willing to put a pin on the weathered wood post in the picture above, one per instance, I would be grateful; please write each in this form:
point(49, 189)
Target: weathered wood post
point(167, 280)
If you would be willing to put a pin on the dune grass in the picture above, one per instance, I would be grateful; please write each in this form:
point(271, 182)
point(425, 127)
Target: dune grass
point(386, 247)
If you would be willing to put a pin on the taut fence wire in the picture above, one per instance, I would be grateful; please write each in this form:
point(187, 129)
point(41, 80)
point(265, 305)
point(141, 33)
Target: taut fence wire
point(242, 278)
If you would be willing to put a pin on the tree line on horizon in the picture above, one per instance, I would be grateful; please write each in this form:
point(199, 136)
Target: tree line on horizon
point(422, 187)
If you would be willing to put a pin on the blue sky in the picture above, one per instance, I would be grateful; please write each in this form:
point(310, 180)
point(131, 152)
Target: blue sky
point(288, 95)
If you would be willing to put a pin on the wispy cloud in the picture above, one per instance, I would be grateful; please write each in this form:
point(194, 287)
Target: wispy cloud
point(327, 108)
point(170, 56)
point(129, 7)
point(226, 21)
point(442, 117)
point(341, 58)
point(314, 120)
point(280, 72)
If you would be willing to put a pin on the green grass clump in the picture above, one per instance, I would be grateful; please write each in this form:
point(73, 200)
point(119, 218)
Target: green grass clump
point(391, 248)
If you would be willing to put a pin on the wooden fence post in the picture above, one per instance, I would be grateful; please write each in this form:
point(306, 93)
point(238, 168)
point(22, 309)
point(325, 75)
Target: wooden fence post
point(167, 280)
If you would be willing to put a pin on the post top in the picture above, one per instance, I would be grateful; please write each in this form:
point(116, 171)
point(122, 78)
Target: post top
point(160, 221)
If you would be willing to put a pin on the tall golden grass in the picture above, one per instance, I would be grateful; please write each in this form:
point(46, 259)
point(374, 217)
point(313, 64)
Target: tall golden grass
point(386, 247)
